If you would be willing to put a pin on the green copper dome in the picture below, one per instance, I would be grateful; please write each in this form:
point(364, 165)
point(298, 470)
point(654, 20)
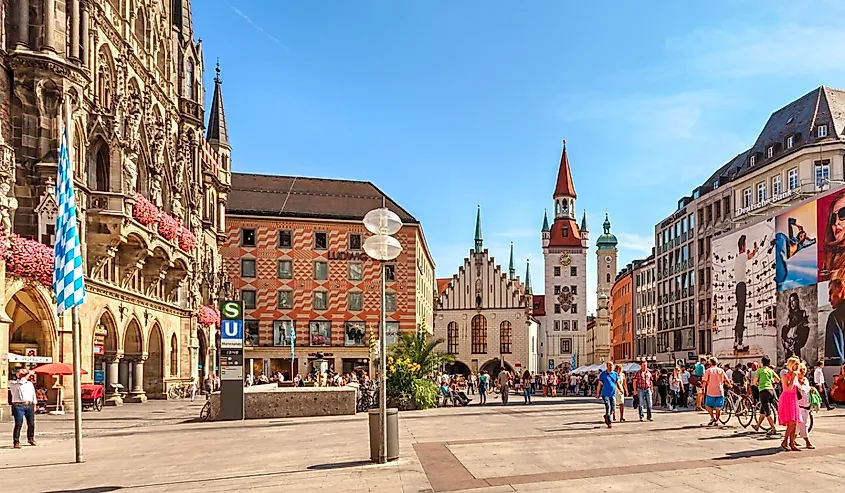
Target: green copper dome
point(607, 241)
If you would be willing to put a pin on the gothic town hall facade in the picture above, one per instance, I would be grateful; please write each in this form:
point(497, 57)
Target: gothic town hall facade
point(151, 182)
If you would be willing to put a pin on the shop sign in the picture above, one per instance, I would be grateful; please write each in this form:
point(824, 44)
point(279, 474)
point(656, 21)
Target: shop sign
point(551, 364)
point(767, 202)
point(99, 376)
point(99, 350)
point(231, 360)
point(344, 255)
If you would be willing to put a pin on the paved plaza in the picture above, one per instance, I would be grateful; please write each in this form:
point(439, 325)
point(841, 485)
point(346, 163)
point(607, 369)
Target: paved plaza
point(553, 445)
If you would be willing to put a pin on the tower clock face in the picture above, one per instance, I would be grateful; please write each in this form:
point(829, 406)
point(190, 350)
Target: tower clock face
point(565, 259)
point(608, 259)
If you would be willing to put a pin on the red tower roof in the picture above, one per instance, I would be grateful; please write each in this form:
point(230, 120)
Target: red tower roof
point(564, 177)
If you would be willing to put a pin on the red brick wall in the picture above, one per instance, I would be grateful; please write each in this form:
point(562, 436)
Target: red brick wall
point(266, 283)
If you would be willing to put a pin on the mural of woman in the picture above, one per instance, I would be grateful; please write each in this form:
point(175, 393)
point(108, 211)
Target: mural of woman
point(833, 266)
point(795, 333)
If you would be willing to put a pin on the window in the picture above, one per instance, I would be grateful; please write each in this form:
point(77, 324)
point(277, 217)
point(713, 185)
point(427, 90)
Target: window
point(557, 325)
point(790, 142)
point(792, 178)
point(557, 289)
point(282, 332)
point(248, 297)
point(573, 271)
point(391, 331)
point(355, 334)
point(356, 271)
point(822, 169)
point(251, 332)
point(557, 307)
point(746, 197)
point(565, 346)
point(174, 356)
point(777, 186)
point(607, 277)
point(574, 308)
point(752, 160)
point(248, 237)
point(285, 301)
point(189, 79)
point(247, 267)
point(355, 301)
point(505, 333)
point(355, 241)
point(574, 325)
point(770, 152)
point(321, 240)
point(390, 302)
point(285, 238)
point(321, 300)
point(761, 192)
point(573, 290)
point(565, 325)
point(452, 338)
point(321, 270)
point(321, 332)
point(284, 269)
point(557, 271)
point(390, 272)
point(822, 131)
point(479, 334)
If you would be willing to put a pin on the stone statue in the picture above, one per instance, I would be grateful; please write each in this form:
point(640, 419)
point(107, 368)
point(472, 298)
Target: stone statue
point(130, 171)
point(176, 207)
point(119, 96)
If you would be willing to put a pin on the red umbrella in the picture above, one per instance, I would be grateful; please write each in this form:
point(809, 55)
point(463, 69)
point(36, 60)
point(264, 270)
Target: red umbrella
point(56, 369)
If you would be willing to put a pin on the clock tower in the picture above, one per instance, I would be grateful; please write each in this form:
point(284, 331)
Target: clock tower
point(563, 319)
point(606, 255)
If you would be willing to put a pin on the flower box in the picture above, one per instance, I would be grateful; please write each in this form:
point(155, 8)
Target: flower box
point(144, 211)
point(30, 259)
point(207, 316)
point(187, 240)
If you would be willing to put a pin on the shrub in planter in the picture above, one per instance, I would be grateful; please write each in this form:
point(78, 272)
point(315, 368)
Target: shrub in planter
point(424, 393)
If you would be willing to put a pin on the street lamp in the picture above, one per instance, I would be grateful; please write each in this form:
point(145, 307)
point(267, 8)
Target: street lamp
point(382, 246)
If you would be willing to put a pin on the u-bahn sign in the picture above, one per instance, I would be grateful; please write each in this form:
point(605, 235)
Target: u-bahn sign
point(232, 360)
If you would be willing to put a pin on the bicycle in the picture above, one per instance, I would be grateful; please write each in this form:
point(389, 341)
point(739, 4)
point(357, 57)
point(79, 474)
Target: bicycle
point(367, 398)
point(179, 391)
point(739, 405)
point(205, 412)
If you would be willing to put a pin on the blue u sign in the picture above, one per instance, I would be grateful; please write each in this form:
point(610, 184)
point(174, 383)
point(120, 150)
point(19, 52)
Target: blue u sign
point(232, 333)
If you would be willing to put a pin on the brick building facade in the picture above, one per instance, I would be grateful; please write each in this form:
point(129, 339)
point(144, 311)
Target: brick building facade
point(305, 268)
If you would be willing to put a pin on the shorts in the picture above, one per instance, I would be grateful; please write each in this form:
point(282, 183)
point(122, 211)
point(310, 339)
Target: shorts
point(714, 402)
point(767, 397)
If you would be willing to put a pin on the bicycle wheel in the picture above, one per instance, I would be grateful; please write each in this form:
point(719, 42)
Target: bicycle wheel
point(727, 411)
point(745, 411)
point(205, 412)
point(173, 393)
point(810, 422)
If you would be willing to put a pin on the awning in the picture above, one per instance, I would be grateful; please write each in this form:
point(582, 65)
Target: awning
point(17, 358)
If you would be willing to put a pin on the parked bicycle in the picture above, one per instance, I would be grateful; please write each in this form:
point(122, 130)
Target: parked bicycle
point(205, 412)
point(367, 397)
point(179, 391)
point(739, 405)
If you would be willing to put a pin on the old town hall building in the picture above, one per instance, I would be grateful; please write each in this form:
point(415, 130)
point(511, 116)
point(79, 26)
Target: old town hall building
point(151, 190)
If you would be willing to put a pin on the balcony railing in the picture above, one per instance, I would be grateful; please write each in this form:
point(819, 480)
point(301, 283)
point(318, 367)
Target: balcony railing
point(105, 202)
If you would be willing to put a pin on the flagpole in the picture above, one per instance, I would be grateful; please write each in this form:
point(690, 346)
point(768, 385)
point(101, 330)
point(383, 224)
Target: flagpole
point(74, 324)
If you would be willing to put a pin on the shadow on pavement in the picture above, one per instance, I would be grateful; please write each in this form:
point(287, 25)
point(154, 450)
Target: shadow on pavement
point(96, 489)
point(339, 465)
point(37, 465)
point(749, 453)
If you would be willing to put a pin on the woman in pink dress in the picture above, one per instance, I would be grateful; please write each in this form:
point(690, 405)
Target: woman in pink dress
point(789, 414)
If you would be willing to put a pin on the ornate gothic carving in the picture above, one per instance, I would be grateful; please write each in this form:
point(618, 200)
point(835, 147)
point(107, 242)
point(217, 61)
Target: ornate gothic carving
point(8, 203)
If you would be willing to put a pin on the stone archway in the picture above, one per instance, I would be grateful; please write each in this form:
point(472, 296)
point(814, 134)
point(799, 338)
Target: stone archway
point(31, 332)
point(154, 365)
point(457, 368)
point(494, 366)
point(202, 355)
point(107, 356)
point(132, 365)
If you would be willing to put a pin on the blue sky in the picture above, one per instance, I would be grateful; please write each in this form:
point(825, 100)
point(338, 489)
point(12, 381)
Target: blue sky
point(445, 105)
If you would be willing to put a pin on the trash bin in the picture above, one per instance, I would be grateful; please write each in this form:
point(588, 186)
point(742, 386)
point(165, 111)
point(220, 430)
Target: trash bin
point(392, 434)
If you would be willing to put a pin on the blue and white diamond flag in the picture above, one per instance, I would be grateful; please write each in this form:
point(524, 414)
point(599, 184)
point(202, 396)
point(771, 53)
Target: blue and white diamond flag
point(68, 273)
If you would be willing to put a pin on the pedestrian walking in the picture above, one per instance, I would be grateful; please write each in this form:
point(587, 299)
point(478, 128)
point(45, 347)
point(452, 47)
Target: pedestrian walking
point(643, 387)
point(526, 386)
point(714, 381)
point(685, 387)
point(23, 399)
point(504, 385)
point(192, 387)
point(818, 379)
point(472, 382)
point(675, 385)
point(606, 391)
point(700, 367)
point(789, 414)
point(621, 392)
point(804, 388)
point(663, 387)
point(765, 379)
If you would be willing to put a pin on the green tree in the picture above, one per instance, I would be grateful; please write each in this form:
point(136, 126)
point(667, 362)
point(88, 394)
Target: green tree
point(420, 351)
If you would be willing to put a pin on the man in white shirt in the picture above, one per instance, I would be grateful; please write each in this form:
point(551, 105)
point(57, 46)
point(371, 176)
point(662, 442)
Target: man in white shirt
point(684, 386)
point(23, 399)
point(818, 379)
point(504, 380)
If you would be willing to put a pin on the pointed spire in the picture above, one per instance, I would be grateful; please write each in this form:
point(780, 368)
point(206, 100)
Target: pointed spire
point(478, 240)
point(528, 276)
point(564, 186)
point(511, 268)
point(584, 222)
point(546, 228)
point(217, 132)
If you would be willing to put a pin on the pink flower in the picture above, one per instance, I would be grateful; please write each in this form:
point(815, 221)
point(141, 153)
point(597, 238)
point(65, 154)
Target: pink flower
point(168, 227)
point(30, 259)
point(207, 315)
point(145, 212)
point(187, 240)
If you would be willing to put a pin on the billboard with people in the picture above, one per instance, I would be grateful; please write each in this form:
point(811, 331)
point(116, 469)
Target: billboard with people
point(779, 285)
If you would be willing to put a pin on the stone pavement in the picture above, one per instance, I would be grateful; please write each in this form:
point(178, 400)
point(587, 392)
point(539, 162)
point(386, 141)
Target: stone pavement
point(553, 445)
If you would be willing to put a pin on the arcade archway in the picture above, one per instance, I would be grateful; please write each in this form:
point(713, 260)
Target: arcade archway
point(202, 355)
point(32, 333)
point(154, 365)
point(132, 364)
point(106, 356)
point(494, 366)
point(457, 368)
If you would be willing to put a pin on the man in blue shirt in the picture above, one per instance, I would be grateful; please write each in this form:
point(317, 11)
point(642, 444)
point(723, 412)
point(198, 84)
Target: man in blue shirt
point(699, 373)
point(606, 391)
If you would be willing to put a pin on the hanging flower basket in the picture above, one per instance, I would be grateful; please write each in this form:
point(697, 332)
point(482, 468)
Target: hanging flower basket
point(145, 212)
point(168, 227)
point(208, 316)
point(187, 240)
point(30, 259)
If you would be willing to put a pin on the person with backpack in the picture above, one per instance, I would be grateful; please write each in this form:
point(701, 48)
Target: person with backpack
point(483, 382)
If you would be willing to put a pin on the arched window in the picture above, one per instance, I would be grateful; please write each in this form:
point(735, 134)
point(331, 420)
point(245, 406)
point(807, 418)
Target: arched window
point(189, 79)
point(452, 337)
point(174, 356)
point(608, 277)
point(479, 334)
point(505, 334)
point(161, 59)
point(101, 164)
point(104, 82)
point(140, 31)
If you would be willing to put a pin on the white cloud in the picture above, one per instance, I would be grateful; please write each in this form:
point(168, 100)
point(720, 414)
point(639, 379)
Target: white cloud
point(636, 242)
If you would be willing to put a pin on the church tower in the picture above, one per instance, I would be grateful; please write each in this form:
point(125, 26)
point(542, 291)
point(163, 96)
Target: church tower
point(606, 256)
point(565, 256)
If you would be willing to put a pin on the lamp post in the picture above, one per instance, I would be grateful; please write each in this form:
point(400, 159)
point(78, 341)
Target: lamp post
point(382, 246)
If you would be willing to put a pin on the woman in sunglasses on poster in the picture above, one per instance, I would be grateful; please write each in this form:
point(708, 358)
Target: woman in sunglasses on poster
point(834, 241)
